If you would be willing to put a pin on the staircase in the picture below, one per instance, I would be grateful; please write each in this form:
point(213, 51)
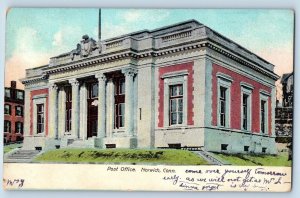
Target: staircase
point(21, 156)
point(210, 158)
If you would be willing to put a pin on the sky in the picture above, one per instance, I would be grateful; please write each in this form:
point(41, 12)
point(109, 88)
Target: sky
point(33, 35)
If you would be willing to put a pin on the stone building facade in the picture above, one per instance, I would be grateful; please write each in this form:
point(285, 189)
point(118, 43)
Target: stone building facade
point(182, 85)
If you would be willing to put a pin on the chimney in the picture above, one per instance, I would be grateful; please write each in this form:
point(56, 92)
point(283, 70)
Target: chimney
point(13, 84)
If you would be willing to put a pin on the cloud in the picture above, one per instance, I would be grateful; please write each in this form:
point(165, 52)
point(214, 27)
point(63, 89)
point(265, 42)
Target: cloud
point(28, 52)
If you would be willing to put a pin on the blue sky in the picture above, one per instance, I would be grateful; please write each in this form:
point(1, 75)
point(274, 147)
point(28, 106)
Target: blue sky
point(34, 35)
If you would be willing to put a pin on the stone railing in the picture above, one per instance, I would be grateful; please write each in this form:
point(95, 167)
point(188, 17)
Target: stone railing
point(62, 59)
point(114, 44)
point(176, 36)
point(35, 71)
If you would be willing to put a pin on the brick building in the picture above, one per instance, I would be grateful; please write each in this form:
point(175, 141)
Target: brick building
point(13, 113)
point(182, 85)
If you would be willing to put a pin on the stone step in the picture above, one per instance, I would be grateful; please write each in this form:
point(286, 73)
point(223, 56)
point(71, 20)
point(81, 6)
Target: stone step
point(208, 157)
point(22, 156)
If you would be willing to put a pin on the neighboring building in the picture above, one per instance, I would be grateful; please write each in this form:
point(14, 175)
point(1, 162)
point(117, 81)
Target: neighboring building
point(13, 113)
point(183, 85)
point(287, 81)
point(284, 114)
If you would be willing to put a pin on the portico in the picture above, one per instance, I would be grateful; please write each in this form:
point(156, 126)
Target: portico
point(89, 108)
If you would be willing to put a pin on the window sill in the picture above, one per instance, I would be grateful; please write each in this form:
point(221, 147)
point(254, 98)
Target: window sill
point(39, 135)
point(176, 127)
point(120, 130)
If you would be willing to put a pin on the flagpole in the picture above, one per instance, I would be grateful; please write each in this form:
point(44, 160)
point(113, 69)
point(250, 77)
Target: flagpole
point(99, 26)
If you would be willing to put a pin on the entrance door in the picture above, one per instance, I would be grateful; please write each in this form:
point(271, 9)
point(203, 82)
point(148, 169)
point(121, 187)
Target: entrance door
point(92, 102)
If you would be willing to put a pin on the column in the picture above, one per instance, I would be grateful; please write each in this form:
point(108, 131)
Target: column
point(83, 111)
point(53, 111)
point(75, 107)
point(62, 111)
point(110, 106)
point(27, 112)
point(101, 105)
point(129, 100)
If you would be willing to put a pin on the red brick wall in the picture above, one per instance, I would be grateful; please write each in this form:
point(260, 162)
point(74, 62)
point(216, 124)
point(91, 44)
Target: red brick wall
point(236, 99)
point(12, 136)
point(32, 94)
point(190, 97)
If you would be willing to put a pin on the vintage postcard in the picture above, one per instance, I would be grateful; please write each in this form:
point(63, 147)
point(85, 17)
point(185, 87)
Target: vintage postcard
point(148, 99)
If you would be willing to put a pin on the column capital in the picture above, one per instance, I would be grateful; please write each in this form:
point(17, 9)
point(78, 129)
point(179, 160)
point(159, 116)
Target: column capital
point(129, 71)
point(101, 77)
point(53, 86)
point(74, 82)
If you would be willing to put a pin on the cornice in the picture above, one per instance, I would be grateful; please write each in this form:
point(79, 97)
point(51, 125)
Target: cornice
point(100, 59)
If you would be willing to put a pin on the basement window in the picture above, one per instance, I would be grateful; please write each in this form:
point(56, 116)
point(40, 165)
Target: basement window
point(110, 146)
point(175, 146)
point(264, 150)
point(224, 147)
point(38, 148)
point(246, 148)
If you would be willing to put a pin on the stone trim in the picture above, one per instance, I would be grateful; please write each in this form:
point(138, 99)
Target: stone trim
point(264, 92)
point(265, 98)
point(224, 76)
point(173, 81)
point(247, 91)
point(175, 74)
point(149, 54)
point(224, 82)
point(247, 85)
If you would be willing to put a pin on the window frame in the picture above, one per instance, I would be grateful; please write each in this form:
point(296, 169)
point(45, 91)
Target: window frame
point(246, 89)
point(224, 81)
point(17, 95)
point(5, 131)
point(22, 113)
point(7, 90)
point(39, 99)
point(175, 78)
point(9, 109)
point(264, 96)
point(22, 127)
point(119, 100)
point(176, 98)
point(42, 113)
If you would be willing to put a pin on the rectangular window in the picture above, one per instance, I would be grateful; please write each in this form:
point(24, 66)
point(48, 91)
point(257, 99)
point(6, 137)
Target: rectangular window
point(245, 111)
point(19, 111)
point(20, 95)
point(176, 104)
point(7, 93)
point(7, 109)
point(119, 102)
point(121, 86)
point(263, 116)
point(222, 101)
point(120, 118)
point(19, 127)
point(94, 90)
point(7, 126)
point(40, 118)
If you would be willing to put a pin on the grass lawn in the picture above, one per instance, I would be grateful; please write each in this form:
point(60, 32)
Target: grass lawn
point(10, 147)
point(131, 156)
point(256, 160)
